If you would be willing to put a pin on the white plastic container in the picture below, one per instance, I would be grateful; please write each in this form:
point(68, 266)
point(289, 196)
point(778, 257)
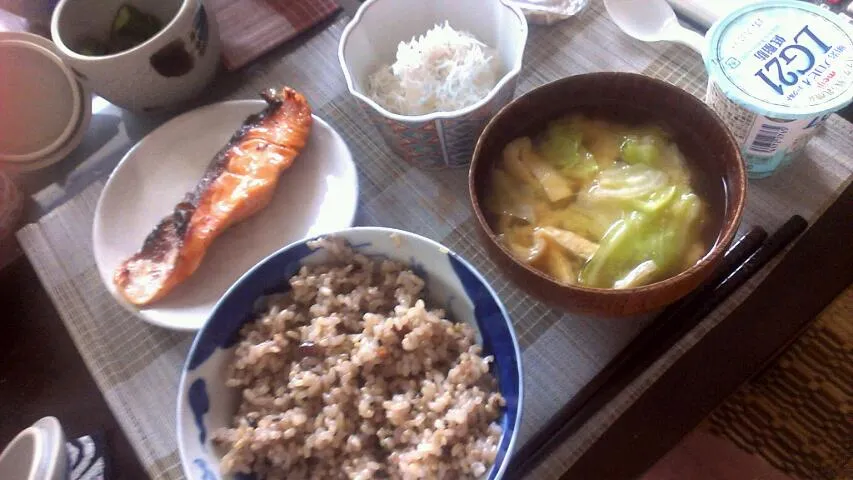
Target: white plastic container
point(777, 70)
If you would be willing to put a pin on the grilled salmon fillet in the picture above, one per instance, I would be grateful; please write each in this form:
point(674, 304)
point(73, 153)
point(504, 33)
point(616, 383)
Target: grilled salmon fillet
point(239, 182)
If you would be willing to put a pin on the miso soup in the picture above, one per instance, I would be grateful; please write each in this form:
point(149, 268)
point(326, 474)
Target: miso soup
point(599, 204)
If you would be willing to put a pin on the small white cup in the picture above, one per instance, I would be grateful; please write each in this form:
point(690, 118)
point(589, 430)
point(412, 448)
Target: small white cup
point(37, 453)
point(160, 73)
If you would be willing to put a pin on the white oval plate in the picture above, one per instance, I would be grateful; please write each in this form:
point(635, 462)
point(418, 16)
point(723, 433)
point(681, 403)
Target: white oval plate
point(317, 194)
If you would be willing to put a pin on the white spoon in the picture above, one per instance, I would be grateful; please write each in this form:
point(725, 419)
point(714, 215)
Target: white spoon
point(652, 21)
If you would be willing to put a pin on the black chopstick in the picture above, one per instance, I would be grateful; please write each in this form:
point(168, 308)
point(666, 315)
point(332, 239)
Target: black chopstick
point(741, 261)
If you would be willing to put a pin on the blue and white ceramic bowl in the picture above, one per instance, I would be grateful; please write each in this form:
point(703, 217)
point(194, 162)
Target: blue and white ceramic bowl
point(206, 404)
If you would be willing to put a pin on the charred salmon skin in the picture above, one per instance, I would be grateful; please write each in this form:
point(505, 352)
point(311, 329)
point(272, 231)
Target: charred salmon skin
point(239, 182)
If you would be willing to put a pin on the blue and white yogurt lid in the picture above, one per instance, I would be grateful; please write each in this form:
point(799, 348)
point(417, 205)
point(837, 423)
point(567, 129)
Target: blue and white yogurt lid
point(784, 59)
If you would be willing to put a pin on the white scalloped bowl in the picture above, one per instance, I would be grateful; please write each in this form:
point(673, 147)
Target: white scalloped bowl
point(437, 140)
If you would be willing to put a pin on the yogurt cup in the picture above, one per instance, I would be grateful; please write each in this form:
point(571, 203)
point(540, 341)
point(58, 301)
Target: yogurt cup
point(777, 70)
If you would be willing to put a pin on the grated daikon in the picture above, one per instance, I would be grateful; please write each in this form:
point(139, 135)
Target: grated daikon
point(442, 70)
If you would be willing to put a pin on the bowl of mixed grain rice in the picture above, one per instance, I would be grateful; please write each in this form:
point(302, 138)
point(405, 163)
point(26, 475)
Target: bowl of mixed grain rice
point(366, 353)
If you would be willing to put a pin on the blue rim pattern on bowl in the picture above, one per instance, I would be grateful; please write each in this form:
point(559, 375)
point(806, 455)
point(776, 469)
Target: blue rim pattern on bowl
point(238, 306)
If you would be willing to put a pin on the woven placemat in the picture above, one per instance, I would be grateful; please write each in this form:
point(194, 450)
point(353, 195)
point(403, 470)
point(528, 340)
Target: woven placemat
point(137, 366)
point(798, 414)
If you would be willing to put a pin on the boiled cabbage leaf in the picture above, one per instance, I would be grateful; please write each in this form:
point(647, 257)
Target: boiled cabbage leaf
point(628, 182)
point(662, 238)
point(561, 144)
point(507, 197)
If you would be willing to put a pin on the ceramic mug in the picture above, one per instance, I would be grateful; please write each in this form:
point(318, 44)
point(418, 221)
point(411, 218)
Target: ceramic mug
point(165, 70)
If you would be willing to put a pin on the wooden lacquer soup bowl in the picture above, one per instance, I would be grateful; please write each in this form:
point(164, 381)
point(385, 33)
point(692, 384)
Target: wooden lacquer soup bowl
point(711, 152)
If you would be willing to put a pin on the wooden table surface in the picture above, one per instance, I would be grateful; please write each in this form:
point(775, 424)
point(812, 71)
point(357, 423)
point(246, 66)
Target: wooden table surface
point(42, 374)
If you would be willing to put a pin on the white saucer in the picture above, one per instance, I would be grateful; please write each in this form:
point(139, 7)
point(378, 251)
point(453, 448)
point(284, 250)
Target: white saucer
point(317, 194)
